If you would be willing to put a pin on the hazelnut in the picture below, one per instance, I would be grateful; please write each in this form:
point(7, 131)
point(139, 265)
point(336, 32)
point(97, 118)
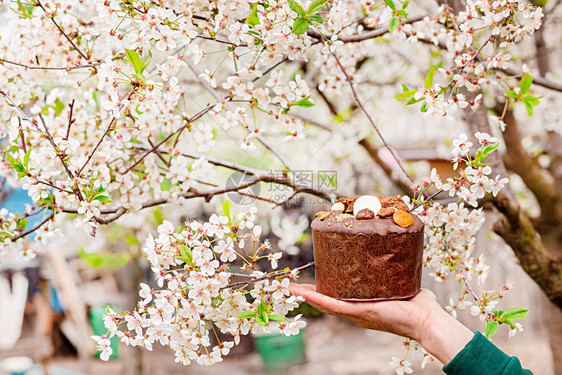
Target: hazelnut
point(365, 214)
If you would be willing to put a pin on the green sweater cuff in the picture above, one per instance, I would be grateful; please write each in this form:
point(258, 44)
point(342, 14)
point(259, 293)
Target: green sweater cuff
point(481, 357)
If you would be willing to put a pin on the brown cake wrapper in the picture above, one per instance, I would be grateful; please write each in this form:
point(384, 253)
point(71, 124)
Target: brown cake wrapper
point(368, 260)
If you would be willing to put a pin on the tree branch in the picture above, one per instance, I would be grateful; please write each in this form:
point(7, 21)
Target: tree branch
point(23, 234)
point(536, 178)
point(52, 17)
point(243, 284)
point(518, 232)
point(109, 127)
point(67, 68)
point(373, 153)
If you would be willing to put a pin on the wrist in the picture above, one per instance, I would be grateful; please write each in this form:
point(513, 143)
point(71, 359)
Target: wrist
point(442, 335)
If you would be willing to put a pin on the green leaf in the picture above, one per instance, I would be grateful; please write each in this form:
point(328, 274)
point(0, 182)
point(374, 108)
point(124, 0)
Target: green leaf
point(512, 94)
point(261, 320)
point(394, 21)
point(16, 165)
point(277, 317)
point(253, 18)
point(406, 3)
point(525, 84)
point(315, 5)
point(305, 103)
point(510, 323)
point(529, 108)
point(26, 158)
point(186, 254)
point(226, 205)
point(262, 307)
point(390, 3)
point(316, 18)
point(423, 107)
point(246, 314)
point(135, 60)
point(95, 97)
point(103, 199)
point(297, 8)
point(300, 26)
point(25, 12)
point(265, 317)
point(22, 223)
point(516, 313)
point(414, 100)
point(428, 81)
point(484, 151)
point(403, 13)
point(59, 106)
point(11, 160)
point(405, 94)
point(166, 185)
point(532, 100)
point(491, 328)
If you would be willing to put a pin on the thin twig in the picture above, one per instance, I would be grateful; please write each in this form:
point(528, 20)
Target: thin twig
point(109, 127)
point(279, 156)
point(52, 17)
point(466, 282)
point(428, 198)
point(360, 37)
point(268, 276)
point(392, 152)
point(67, 68)
point(61, 157)
point(157, 152)
point(23, 234)
point(23, 145)
point(71, 105)
point(153, 149)
point(52, 185)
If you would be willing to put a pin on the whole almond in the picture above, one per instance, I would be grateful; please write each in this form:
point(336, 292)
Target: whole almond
point(339, 206)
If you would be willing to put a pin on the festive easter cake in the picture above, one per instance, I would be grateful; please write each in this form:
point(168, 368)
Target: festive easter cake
point(368, 248)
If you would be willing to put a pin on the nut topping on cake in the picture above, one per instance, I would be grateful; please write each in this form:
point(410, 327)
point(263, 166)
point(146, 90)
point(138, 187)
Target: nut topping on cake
point(365, 214)
point(367, 201)
point(323, 214)
point(386, 212)
point(402, 218)
point(348, 203)
point(338, 206)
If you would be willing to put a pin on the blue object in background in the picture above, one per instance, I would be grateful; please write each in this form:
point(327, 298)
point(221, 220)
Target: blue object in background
point(55, 301)
point(16, 201)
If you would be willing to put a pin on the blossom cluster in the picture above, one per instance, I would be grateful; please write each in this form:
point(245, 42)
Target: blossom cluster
point(145, 82)
point(473, 69)
point(451, 230)
point(198, 295)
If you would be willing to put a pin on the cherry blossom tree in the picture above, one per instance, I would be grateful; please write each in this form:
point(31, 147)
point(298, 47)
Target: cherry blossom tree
point(112, 108)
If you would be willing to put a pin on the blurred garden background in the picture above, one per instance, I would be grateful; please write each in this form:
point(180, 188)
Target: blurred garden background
point(118, 116)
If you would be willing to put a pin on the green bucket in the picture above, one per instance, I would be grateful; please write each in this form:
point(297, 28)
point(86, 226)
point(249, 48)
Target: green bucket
point(279, 352)
point(96, 322)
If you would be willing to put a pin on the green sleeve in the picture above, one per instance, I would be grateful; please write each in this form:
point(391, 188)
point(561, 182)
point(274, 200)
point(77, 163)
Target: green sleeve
point(481, 357)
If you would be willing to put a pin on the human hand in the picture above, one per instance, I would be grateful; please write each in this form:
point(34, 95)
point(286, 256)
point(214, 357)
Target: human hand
point(420, 318)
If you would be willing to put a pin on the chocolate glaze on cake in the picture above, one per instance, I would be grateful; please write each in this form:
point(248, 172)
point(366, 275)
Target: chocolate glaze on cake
point(367, 260)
